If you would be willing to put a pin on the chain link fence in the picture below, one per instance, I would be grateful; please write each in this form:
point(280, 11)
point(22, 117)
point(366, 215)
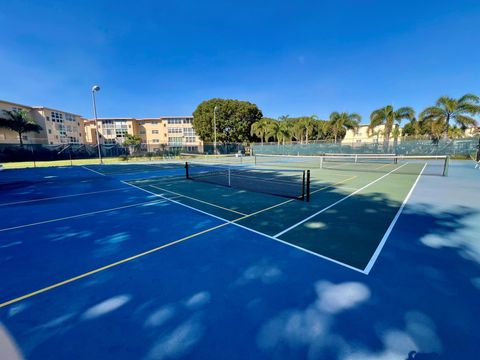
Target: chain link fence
point(455, 148)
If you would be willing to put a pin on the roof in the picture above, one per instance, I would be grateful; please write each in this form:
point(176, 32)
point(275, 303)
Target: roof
point(142, 119)
point(17, 104)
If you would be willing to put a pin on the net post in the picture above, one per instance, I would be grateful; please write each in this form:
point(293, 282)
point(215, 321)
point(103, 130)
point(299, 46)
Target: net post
point(356, 158)
point(229, 179)
point(186, 170)
point(255, 160)
point(445, 166)
point(321, 162)
point(308, 186)
point(303, 185)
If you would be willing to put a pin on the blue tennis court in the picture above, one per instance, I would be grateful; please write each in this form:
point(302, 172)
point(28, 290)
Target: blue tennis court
point(136, 262)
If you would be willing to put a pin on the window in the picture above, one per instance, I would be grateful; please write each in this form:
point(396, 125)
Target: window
point(61, 129)
point(121, 132)
point(49, 131)
point(175, 140)
point(155, 141)
point(109, 141)
point(188, 121)
point(56, 116)
point(16, 109)
point(174, 121)
point(175, 130)
point(48, 118)
point(69, 117)
point(142, 132)
point(108, 132)
point(154, 131)
point(190, 139)
point(189, 132)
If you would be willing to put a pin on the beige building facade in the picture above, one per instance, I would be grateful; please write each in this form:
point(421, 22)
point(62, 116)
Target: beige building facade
point(58, 127)
point(156, 133)
point(361, 135)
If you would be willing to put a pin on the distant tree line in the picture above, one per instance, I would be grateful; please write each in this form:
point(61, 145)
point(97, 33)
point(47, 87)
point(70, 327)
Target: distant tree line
point(241, 121)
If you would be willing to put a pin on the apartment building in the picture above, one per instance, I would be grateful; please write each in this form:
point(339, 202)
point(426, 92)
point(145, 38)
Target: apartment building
point(156, 133)
point(361, 135)
point(58, 127)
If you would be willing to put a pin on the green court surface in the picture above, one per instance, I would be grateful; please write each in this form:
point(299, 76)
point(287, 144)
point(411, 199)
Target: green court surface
point(347, 217)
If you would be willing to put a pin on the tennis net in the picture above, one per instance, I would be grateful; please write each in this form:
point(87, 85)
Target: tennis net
point(294, 184)
point(427, 165)
point(217, 159)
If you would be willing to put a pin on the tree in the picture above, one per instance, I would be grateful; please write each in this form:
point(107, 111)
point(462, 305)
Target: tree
point(412, 128)
point(459, 110)
point(20, 122)
point(234, 119)
point(272, 130)
point(455, 132)
point(323, 129)
point(343, 120)
point(132, 141)
point(297, 129)
point(309, 125)
point(261, 129)
point(284, 132)
point(387, 116)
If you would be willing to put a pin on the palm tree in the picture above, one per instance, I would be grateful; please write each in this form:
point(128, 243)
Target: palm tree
point(260, 128)
point(20, 122)
point(297, 130)
point(387, 116)
point(323, 128)
point(272, 130)
point(343, 120)
point(309, 125)
point(455, 132)
point(459, 110)
point(282, 131)
point(412, 127)
point(377, 133)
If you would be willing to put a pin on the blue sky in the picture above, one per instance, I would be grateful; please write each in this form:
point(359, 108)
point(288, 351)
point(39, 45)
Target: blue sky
point(154, 58)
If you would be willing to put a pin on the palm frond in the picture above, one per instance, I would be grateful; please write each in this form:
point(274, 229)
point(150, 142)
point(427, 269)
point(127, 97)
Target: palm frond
point(465, 121)
point(469, 98)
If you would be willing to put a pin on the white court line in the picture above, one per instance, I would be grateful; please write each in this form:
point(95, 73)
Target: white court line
point(335, 203)
point(63, 196)
point(96, 172)
point(248, 229)
point(79, 215)
point(375, 255)
point(198, 200)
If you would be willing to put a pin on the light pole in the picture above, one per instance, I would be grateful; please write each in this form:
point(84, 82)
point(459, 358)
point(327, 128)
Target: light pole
point(214, 130)
point(96, 88)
